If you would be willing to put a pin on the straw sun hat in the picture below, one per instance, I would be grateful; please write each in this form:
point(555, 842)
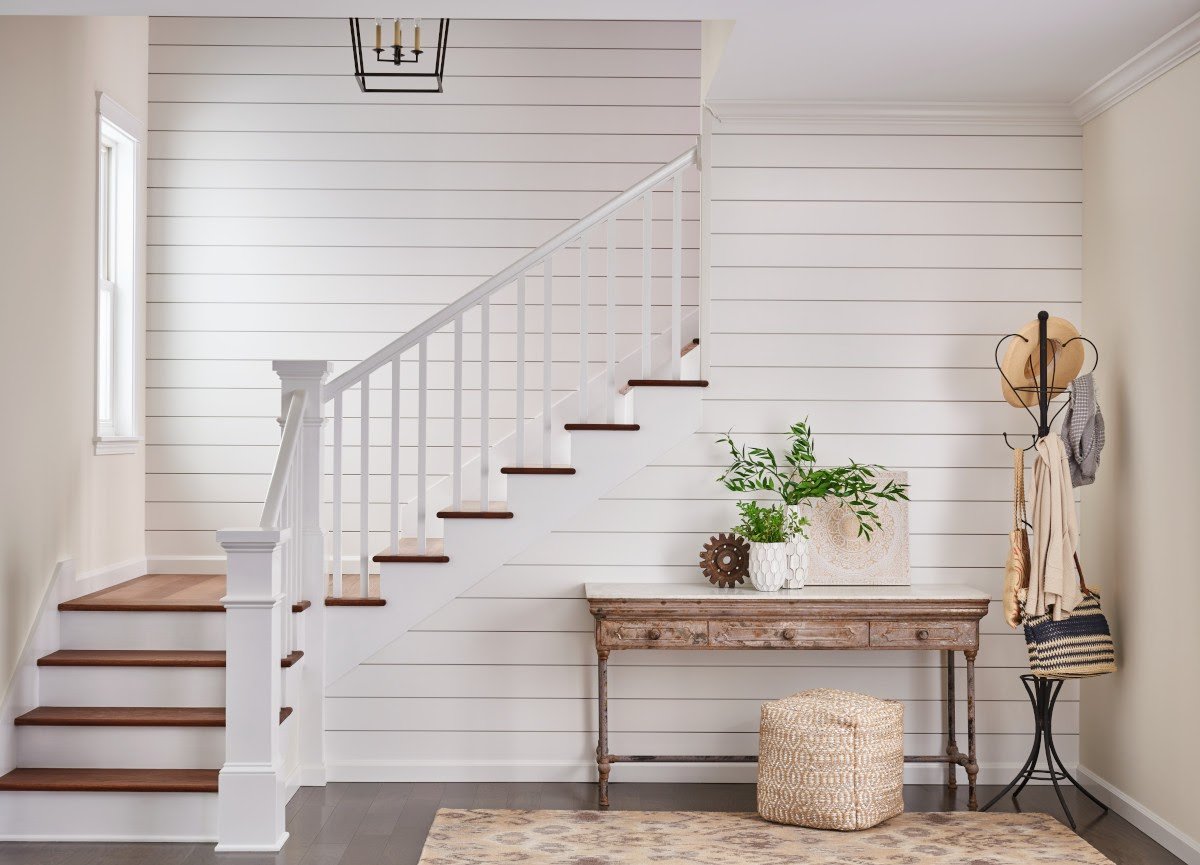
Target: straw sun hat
point(1064, 360)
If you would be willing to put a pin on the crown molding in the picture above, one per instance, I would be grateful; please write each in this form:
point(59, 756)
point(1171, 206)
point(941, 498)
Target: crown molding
point(1134, 74)
point(1015, 115)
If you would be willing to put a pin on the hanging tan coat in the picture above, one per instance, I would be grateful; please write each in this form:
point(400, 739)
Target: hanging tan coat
point(1053, 586)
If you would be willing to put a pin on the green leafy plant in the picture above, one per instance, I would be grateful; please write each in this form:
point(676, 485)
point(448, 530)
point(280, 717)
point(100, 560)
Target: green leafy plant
point(798, 479)
point(768, 524)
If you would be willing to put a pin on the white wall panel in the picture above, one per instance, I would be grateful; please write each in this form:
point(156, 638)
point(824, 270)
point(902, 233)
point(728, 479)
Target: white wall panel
point(860, 281)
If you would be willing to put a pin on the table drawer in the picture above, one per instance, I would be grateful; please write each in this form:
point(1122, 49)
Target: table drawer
point(924, 635)
point(788, 635)
point(653, 635)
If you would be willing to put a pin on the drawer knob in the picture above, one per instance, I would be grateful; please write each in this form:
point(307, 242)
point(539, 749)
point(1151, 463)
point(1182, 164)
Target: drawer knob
point(789, 633)
point(654, 634)
point(922, 634)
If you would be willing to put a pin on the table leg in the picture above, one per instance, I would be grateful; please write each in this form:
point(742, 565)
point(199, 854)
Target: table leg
point(602, 764)
point(951, 735)
point(972, 763)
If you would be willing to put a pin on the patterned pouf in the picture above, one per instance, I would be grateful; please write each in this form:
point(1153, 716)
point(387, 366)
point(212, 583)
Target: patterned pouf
point(831, 760)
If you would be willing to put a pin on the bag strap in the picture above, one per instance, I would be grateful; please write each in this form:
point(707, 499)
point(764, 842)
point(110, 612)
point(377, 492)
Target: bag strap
point(1018, 489)
point(1083, 587)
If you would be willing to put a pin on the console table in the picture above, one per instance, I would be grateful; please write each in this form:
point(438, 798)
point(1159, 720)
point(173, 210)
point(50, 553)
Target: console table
point(698, 616)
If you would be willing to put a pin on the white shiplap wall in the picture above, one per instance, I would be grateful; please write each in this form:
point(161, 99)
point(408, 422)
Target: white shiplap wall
point(860, 279)
point(291, 216)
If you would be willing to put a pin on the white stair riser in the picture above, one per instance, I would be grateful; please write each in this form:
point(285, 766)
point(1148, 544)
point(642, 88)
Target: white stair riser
point(132, 686)
point(108, 816)
point(151, 630)
point(121, 747)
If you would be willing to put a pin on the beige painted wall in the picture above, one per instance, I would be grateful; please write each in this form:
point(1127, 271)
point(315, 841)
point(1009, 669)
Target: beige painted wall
point(60, 499)
point(1142, 307)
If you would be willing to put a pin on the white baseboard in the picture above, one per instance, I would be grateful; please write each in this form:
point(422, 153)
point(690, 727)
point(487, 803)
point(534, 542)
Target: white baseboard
point(585, 771)
point(1175, 840)
point(185, 564)
point(101, 578)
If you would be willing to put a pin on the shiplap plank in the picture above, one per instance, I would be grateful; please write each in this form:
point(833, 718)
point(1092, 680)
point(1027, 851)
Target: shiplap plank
point(306, 60)
point(465, 32)
point(427, 117)
point(1026, 284)
point(887, 250)
point(896, 151)
point(459, 90)
point(787, 218)
point(917, 184)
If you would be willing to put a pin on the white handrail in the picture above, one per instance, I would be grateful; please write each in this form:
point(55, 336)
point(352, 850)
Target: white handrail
point(283, 460)
point(438, 320)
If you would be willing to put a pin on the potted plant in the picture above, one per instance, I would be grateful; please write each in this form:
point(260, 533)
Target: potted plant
point(770, 530)
point(798, 483)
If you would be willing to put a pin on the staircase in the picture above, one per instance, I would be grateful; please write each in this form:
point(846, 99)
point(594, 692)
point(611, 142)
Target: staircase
point(189, 707)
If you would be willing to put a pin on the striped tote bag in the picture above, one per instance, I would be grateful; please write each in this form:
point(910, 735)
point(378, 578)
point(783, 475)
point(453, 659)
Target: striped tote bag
point(1078, 646)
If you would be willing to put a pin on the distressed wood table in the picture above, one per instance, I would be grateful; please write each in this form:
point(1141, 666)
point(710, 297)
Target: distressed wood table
point(943, 618)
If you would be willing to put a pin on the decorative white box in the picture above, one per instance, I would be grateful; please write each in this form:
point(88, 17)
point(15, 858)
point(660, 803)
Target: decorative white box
point(839, 557)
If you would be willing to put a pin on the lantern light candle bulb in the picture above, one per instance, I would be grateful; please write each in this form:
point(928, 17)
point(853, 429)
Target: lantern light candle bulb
point(396, 32)
point(417, 36)
point(378, 35)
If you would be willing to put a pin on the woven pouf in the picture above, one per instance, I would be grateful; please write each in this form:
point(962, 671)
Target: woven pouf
point(831, 760)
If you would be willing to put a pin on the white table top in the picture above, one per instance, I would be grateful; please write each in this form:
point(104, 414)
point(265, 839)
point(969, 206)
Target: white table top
point(702, 591)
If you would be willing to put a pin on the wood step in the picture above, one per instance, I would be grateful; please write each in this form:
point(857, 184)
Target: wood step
point(601, 427)
point(129, 716)
point(143, 658)
point(350, 593)
point(409, 551)
point(471, 510)
point(161, 593)
point(112, 780)
point(538, 470)
point(667, 382)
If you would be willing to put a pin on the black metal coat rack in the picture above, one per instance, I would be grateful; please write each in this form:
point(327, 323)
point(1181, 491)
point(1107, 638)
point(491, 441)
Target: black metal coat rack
point(1045, 391)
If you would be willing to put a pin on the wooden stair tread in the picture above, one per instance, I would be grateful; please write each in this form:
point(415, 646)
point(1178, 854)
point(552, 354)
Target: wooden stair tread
point(602, 427)
point(409, 551)
point(471, 510)
point(112, 780)
point(667, 382)
point(537, 470)
point(351, 586)
point(160, 593)
point(143, 658)
point(129, 716)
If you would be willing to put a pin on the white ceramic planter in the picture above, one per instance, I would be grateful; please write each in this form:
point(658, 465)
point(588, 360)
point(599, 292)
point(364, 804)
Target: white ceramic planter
point(768, 566)
point(797, 553)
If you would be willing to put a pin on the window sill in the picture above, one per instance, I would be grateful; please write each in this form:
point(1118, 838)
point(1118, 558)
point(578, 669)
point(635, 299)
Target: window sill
point(117, 444)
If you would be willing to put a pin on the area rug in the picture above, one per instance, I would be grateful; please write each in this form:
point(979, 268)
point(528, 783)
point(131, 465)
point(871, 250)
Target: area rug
point(470, 837)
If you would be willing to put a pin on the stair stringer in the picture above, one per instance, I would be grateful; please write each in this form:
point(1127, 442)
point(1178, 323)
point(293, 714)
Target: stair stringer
point(540, 504)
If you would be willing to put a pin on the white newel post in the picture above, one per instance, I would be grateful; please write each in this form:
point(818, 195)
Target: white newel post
point(250, 790)
point(309, 376)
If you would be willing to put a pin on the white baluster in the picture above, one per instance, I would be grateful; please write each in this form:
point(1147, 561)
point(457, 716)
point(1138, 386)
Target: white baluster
point(647, 286)
point(422, 402)
point(364, 495)
point(338, 564)
point(610, 338)
point(394, 490)
point(583, 328)
point(675, 344)
point(458, 414)
point(484, 369)
point(547, 325)
point(520, 412)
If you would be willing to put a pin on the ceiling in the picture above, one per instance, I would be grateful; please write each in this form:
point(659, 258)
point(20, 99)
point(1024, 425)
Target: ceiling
point(817, 50)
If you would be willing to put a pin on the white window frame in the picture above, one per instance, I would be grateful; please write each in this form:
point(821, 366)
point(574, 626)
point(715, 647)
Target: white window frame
point(119, 138)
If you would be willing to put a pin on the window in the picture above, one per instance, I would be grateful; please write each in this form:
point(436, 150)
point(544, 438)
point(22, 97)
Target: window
point(117, 186)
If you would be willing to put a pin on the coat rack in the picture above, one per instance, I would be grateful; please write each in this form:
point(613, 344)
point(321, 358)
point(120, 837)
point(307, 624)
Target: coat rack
point(1046, 363)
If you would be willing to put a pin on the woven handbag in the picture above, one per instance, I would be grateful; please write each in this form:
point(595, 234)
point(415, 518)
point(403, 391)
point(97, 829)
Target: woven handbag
point(1078, 646)
point(1016, 569)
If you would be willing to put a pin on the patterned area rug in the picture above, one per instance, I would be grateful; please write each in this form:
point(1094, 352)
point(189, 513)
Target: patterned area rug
point(460, 837)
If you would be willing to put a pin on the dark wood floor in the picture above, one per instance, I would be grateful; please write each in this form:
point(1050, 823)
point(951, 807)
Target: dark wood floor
point(385, 824)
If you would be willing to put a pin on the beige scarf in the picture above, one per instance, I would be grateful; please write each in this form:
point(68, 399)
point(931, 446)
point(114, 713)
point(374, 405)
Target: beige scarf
point(1053, 586)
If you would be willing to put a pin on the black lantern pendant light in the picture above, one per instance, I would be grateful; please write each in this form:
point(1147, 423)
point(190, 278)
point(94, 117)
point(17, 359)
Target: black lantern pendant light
point(400, 67)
